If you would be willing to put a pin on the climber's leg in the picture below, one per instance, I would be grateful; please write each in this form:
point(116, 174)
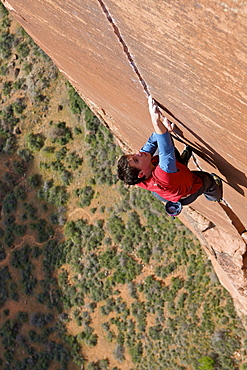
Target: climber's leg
point(186, 154)
point(212, 186)
point(215, 191)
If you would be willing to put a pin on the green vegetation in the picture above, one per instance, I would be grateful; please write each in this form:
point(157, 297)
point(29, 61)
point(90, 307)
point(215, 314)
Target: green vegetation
point(118, 272)
point(35, 141)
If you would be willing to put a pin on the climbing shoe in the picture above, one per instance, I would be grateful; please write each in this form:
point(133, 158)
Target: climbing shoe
point(186, 154)
point(217, 179)
point(219, 189)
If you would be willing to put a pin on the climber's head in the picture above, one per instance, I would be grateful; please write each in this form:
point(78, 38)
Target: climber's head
point(135, 168)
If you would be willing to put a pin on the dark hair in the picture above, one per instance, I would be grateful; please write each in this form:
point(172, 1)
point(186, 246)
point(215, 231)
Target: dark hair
point(126, 173)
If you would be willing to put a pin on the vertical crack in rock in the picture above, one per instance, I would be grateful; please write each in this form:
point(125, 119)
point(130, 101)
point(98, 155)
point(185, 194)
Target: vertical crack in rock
point(125, 47)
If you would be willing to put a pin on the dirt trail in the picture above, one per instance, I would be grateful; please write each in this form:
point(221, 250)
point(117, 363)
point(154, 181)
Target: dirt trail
point(82, 212)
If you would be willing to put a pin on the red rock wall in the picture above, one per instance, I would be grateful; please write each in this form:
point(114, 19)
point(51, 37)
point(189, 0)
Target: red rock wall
point(192, 57)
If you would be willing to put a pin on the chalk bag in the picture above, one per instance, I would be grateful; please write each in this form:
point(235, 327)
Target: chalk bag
point(173, 208)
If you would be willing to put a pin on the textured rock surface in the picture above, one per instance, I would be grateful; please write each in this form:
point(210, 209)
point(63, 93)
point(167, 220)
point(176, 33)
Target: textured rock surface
point(192, 58)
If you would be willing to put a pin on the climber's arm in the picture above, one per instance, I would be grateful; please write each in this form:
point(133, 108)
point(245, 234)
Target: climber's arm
point(151, 145)
point(167, 160)
point(160, 123)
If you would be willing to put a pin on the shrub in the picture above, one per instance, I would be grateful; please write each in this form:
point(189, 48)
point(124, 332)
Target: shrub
point(35, 141)
point(85, 195)
point(34, 180)
point(76, 102)
point(23, 49)
point(4, 278)
point(19, 167)
point(73, 160)
point(19, 83)
point(7, 87)
point(117, 227)
point(19, 106)
point(25, 154)
point(119, 353)
point(27, 67)
point(20, 192)
point(136, 352)
point(206, 363)
point(44, 230)
point(53, 194)
point(3, 68)
point(3, 11)
point(6, 42)
point(22, 316)
point(10, 203)
point(8, 118)
point(40, 319)
point(61, 134)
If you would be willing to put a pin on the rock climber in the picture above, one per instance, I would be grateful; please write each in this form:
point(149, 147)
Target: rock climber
point(167, 176)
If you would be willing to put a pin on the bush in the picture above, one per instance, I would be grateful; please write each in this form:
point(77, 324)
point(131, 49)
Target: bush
point(56, 195)
point(19, 167)
point(40, 319)
point(117, 227)
point(25, 154)
point(19, 83)
point(3, 11)
point(61, 134)
point(34, 180)
point(20, 192)
point(43, 229)
point(22, 316)
point(73, 160)
point(85, 195)
point(23, 49)
point(6, 42)
point(19, 106)
point(27, 67)
point(10, 203)
point(7, 87)
point(4, 189)
point(206, 363)
point(8, 119)
point(35, 141)
point(119, 353)
point(136, 352)
point(4, 278)
point(76, 102)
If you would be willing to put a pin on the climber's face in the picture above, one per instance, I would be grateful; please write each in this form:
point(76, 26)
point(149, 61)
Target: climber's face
point(141, 161)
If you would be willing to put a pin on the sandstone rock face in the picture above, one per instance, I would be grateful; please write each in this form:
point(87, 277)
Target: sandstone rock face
point(192, 58)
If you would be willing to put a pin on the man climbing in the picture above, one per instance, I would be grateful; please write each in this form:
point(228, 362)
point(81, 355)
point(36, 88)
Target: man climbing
point(169, 179)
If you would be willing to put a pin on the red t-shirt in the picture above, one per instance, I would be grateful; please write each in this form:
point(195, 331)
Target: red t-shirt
point(172, 186)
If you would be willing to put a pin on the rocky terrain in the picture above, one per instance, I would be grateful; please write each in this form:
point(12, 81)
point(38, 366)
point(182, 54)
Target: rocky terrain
point(191, 57)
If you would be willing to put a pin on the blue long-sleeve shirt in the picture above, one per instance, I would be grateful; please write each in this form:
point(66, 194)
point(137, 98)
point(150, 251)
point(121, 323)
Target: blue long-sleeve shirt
point(164, 144)
point(170, 179)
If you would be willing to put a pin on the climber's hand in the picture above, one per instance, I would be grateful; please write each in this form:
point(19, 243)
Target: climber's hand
point(160, 123)
point(168, 124)
point(153, 110)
